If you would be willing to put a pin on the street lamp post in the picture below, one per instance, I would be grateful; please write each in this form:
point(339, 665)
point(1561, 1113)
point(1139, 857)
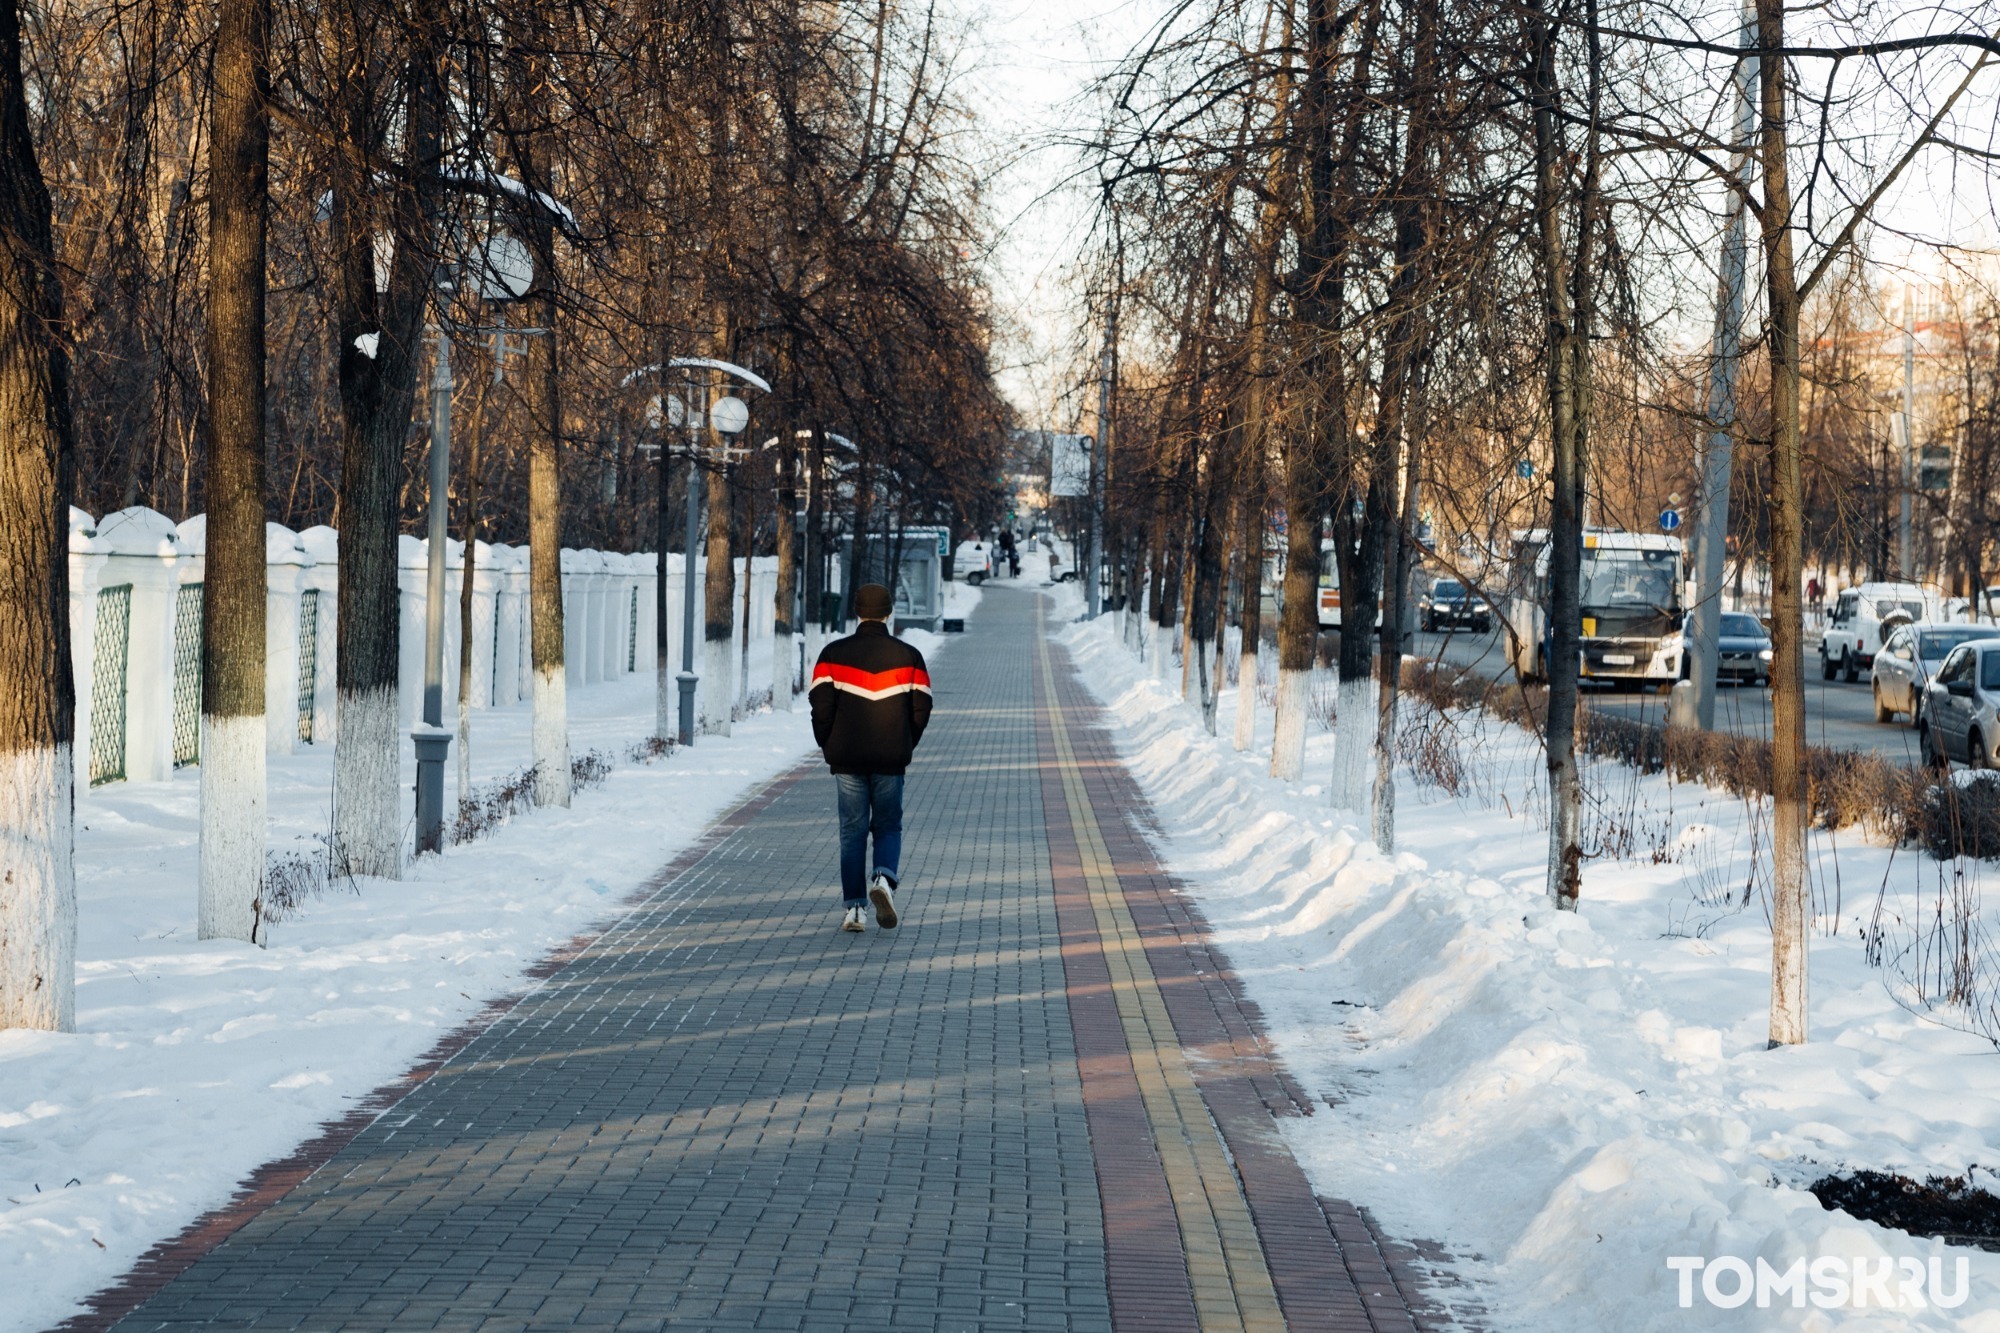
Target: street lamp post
point(433, 742)
point(729, 415)
point(689, 677)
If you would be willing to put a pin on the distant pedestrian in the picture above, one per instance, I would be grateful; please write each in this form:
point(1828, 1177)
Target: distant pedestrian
point(871, 699)
point(1013, 554)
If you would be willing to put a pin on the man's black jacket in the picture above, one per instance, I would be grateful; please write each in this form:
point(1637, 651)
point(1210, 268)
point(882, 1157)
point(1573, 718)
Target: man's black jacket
point(871, 698)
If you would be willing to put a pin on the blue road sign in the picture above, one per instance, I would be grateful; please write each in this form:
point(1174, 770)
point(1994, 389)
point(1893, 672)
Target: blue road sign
point(1669, 519)
point(1525, 468)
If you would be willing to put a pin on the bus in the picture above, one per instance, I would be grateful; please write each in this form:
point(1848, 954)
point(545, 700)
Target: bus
point(1329, 588)
point(1631, 593)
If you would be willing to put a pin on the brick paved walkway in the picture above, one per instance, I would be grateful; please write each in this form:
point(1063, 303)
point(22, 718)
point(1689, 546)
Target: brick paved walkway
point(1039, 1104)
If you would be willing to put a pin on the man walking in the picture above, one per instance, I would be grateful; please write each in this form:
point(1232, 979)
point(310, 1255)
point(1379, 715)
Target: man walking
point(871, 699)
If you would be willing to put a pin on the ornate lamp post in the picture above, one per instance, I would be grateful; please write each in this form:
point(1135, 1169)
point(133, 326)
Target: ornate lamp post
point(729, 414)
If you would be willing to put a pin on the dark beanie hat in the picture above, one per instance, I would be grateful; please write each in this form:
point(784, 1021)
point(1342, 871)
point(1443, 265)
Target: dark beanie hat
point(873, 602)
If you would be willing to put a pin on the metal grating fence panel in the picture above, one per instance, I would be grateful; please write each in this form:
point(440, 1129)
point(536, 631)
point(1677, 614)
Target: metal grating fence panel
point(187, 675)
point(107, 685)
point(632, 635)
point(308, 660)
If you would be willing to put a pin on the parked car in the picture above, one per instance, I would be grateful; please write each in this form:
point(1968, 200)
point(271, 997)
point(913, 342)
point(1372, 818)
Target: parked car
point(1959, 719)
point(1742, 650)
point(1910, 658)
point(1450, 602)
point(1862, 618)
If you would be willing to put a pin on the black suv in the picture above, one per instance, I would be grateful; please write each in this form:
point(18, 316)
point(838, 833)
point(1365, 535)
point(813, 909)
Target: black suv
point(1450, 602)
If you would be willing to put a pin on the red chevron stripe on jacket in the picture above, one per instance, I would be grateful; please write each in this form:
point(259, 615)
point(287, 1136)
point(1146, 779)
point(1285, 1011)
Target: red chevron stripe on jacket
point(871, 699)
point(873, 684)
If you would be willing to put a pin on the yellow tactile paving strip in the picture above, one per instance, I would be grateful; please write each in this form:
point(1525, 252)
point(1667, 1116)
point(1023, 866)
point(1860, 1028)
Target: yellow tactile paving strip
point(1231, 1283)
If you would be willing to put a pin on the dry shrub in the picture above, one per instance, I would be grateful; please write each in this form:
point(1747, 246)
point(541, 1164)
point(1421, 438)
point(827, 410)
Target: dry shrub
point(492, 805)
point(1953, 819)
point(589, 769)
point(1322, 694)
point(1844, 789)
point(291, 880)
point(650, 748)
point(1427, 743)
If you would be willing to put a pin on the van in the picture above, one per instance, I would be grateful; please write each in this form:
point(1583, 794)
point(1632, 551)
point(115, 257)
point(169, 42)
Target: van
point(1863, 618)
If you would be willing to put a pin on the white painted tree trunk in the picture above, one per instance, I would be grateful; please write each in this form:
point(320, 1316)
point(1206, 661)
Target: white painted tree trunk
point(1163, 652)
point(1246, 696)
point(232, 827)
point(462, 749)
point(1288, 744)
point(549, 743)
point(38, 909)
point(784, 669)
point(1353, 743)
point(367, 761)
point(714, 701)
point(1383, 752)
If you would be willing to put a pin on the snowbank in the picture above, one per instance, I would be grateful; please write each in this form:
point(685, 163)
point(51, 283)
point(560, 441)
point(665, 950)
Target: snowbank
point(1568, 1101)
point(196, 1061)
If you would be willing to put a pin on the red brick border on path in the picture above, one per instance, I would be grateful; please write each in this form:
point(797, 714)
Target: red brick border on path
point(1325, 1258)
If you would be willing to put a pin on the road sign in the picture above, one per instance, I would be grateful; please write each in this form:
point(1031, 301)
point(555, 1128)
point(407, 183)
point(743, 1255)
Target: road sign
point(1525, 468)
point(1669, 519)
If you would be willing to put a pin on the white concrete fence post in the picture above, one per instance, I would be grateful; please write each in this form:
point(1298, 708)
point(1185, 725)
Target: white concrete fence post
point(140, 577)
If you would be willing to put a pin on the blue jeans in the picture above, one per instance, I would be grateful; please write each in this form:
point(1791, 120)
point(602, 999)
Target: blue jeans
point(869, 803)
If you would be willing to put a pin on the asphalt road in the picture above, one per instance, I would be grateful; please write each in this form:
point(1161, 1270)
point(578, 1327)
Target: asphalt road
point(1838, 716)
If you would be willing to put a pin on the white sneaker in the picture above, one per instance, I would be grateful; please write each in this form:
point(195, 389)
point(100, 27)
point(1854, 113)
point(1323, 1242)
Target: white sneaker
point(882, 893)
point(854, 920)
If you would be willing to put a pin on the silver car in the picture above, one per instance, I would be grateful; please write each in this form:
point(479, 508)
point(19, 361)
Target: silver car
point(1961, 718)
point(1910, 658)
point(1742, 650)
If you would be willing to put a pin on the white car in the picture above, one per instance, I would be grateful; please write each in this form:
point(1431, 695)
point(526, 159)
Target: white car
point(1908, 660)
point(1863, 617)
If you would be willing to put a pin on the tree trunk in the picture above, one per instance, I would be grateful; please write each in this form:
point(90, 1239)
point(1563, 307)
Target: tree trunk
point(38, 703)
point(1298, 626)
point(232, 639)
point(466, 601)
point(749, 584)
point(718, 693)
point(541, 397)
point(666, 719)
point(1205, 611)
point(815, 541)
point(1790, 914)
point(1402, 377)
point(376, 396)
point(1217, 658)
point(1568, 389)
point(1331, 125)
point(543, 400)
point(784, 655)
point(1255, 498)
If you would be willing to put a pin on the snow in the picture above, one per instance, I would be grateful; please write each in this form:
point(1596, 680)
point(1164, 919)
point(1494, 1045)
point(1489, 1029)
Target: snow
point(1567, 1101)
point(193, 1062)
point(367, 343)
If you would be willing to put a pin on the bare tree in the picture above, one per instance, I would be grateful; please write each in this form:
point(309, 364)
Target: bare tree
point(232, 639)
point(38, 704)
point(379, 75)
